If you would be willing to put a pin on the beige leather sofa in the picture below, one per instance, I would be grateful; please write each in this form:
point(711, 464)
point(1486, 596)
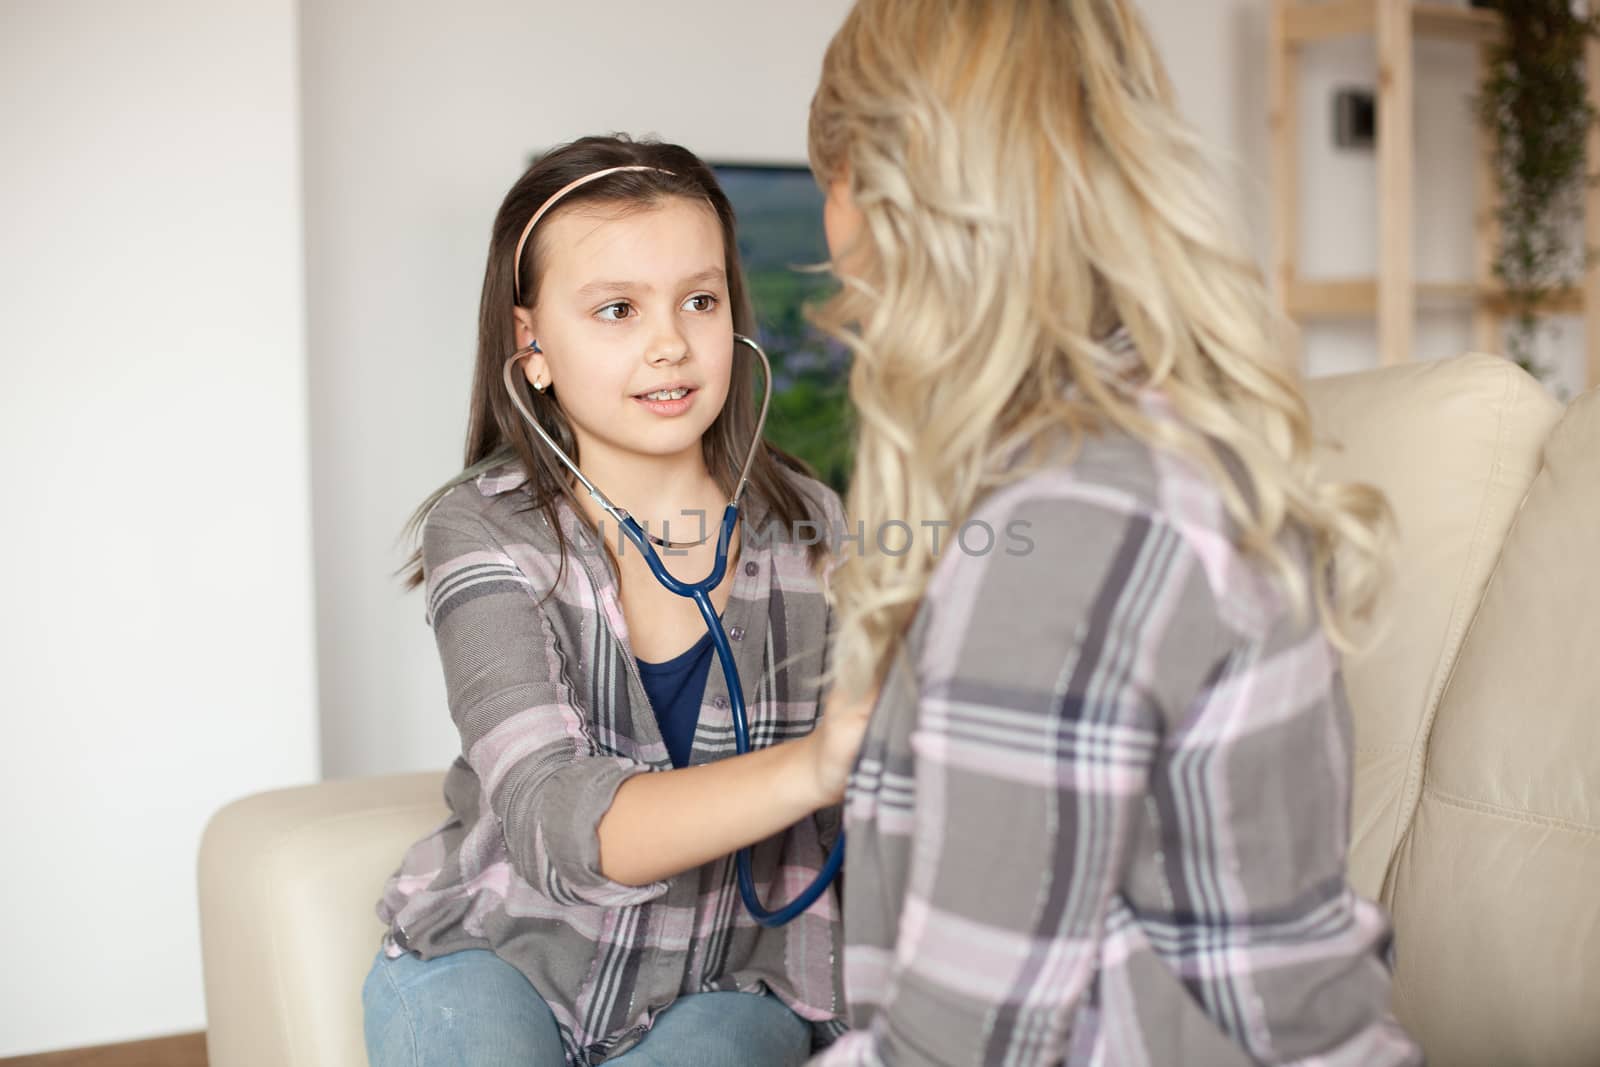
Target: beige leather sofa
point(1477, 811)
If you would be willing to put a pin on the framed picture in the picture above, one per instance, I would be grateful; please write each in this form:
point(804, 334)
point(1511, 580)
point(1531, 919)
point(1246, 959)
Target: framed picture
point(779, 209)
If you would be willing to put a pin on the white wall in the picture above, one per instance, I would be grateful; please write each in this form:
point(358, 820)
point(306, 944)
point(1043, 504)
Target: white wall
point(415, 125)
point(156, 640)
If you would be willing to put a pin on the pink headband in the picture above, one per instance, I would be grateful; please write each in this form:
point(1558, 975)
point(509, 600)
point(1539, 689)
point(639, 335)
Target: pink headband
point(516, 260)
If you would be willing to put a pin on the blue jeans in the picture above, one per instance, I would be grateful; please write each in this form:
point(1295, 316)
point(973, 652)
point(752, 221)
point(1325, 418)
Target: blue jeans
point(472, 1009)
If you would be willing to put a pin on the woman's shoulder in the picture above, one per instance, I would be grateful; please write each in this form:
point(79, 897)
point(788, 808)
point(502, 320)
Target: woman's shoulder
point(1107, 471)
point(1107, 492)
point(1084, 553)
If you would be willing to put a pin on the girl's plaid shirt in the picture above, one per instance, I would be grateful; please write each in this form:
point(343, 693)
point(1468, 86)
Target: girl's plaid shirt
point(545, 693)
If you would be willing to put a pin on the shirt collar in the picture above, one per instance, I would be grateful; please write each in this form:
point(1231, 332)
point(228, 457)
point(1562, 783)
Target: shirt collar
point(508, 476)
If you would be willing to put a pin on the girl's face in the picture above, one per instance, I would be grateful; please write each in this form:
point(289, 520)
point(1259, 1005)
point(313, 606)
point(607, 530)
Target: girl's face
point(633, 303)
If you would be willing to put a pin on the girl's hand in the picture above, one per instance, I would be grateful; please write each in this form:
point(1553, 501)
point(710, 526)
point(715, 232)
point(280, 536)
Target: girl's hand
point(837, 740)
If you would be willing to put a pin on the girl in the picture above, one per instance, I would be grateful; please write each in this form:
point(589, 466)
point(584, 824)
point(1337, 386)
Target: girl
point(579, 905)
point(1100, 813)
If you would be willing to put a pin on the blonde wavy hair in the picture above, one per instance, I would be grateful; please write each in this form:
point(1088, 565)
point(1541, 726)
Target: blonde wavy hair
point(1026, 187)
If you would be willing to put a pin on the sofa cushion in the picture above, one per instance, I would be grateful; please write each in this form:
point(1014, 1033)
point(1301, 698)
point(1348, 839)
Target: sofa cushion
point(289, 881)
point(1497, 890)
point(1454, 445)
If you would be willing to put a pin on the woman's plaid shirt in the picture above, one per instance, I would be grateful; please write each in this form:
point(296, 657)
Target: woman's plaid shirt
point(1101, 812)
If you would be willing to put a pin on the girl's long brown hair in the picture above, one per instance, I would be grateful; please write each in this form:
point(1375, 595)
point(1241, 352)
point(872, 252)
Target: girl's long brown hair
point(496, 433)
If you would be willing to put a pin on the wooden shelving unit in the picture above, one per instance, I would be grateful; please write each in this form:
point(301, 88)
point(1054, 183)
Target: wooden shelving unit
point(1394, 295)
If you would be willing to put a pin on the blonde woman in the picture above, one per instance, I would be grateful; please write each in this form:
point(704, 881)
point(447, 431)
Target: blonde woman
point(1100, 812)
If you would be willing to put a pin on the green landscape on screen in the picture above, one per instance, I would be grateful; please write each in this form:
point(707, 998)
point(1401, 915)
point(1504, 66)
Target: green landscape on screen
point(779, 211)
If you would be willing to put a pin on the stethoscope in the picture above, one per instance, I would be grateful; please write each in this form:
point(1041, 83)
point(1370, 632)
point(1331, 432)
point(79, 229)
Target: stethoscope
point(700, 593)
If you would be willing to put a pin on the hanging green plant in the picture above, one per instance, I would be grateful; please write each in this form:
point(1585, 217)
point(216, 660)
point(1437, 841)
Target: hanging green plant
point(1534, 101)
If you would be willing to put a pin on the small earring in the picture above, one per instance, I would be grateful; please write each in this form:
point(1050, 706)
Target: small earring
point(534, 349)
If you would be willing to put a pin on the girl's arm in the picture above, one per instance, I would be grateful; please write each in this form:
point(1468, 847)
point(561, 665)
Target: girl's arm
point(663, 824)
point(577, 822)
point(1039, 719)
point(660, 825)
point(539, 769)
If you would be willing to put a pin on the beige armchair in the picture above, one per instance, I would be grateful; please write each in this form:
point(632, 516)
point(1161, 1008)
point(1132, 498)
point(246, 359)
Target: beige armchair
point(1477, 810)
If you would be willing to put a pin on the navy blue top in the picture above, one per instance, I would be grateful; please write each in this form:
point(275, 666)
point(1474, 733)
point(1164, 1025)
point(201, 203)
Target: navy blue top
point(675, 689)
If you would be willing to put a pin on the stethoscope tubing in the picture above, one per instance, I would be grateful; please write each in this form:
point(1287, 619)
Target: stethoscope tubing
point(700, 593)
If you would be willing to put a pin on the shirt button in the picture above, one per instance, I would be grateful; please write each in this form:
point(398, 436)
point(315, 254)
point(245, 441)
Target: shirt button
point(737, 633)
point(752, 569)
point(720, 702)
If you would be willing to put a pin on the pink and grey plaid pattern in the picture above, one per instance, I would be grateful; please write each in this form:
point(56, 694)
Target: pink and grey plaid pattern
point(1101, 813)
point(553, 718)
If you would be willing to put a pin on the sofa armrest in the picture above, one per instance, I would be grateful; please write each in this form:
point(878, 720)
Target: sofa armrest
point(1454, 444)
point(288, 883)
